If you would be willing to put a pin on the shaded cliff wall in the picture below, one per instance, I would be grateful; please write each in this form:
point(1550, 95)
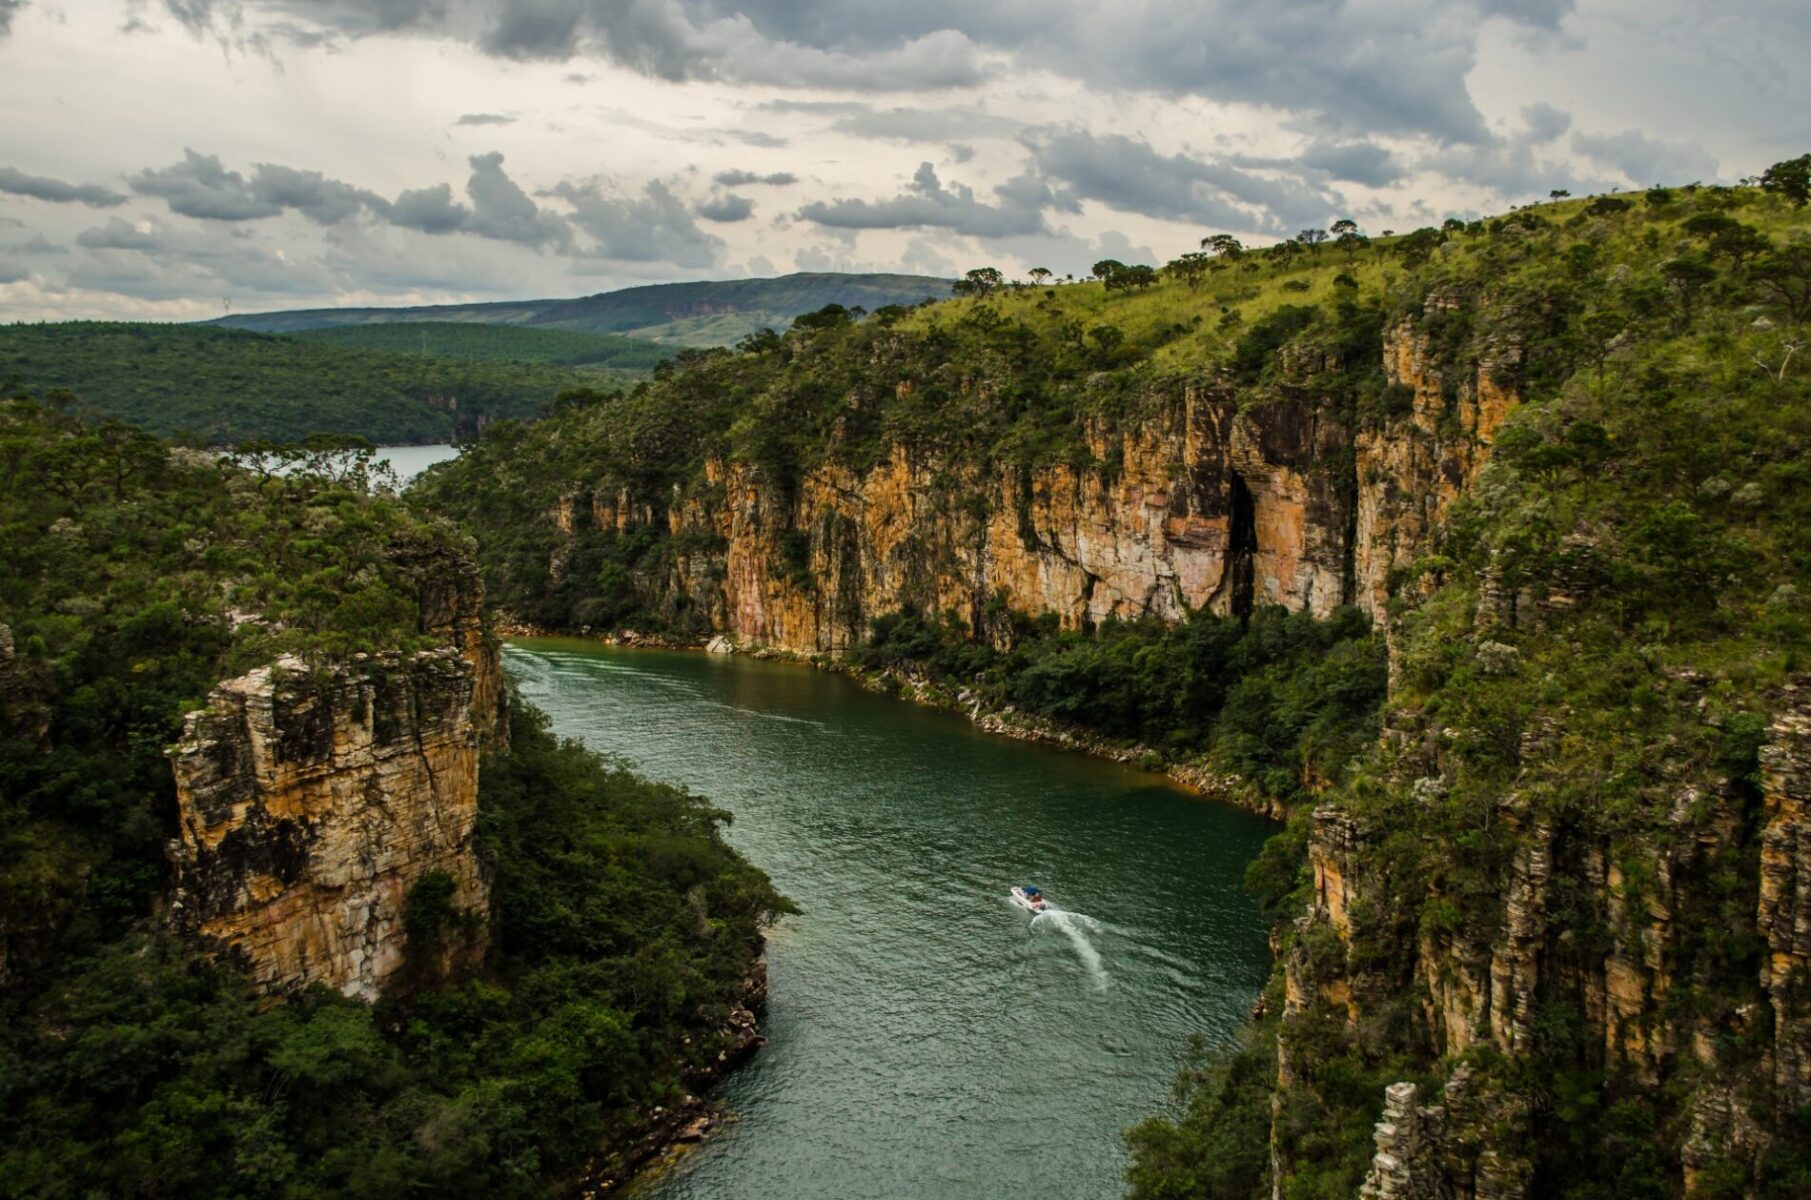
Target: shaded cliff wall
point(311, 802)
point(1611, 931)
point(1216, 500)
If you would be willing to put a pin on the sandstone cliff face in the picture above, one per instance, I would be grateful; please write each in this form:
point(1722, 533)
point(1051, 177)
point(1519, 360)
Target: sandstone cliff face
point(310, 800)
point(310, 803)
point(1605, 926)
point(1410, 472)
point(1209, 506)
point(1216, 500)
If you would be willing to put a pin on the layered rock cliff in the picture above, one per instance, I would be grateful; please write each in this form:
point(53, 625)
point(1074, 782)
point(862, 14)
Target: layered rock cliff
point(1216, 498)
point(312, 799)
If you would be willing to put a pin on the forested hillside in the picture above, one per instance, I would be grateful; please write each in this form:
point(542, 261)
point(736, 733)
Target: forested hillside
point(470, 342)
point(1542, 897)
point(226, 386)
point(701, 313)
point(134, 1059)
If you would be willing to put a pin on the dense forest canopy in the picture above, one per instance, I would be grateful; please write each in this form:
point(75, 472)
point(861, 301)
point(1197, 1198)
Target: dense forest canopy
point(218, 386)
point(139, 574)
point(466, 341)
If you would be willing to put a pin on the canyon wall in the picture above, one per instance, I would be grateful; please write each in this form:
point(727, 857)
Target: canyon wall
point(1217, 500)
point(311, 799)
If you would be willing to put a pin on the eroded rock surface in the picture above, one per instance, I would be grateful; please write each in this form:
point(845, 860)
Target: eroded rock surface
point(310, 802)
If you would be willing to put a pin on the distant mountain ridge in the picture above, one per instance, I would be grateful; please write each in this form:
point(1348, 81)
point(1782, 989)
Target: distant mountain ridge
point(699, 313)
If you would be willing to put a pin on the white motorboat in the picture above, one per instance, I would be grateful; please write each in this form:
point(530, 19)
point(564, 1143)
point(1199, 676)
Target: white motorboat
point(1030, 899)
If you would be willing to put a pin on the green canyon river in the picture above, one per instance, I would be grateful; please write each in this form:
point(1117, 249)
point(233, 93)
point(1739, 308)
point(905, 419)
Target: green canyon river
point(926, 1039)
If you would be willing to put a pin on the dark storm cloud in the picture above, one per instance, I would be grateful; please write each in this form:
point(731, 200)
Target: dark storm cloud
point(503, 211)
point(9, 9)
point(1129, 175)
point(1354, 162)
point(1385, 66)
point(927, 204)
point(739, 178)
point(322, 200)
point(727, 208)
point(1388, 66)
point(119, 235)
point(41, 187)
point(200, 186)
point(652, 227)
point(429, 210)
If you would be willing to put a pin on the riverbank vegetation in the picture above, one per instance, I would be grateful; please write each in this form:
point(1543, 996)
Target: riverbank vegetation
point(623, 926)
point(1281, 699)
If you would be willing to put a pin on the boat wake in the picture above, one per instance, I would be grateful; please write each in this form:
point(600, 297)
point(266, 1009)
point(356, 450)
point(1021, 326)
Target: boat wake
point(1076, 927)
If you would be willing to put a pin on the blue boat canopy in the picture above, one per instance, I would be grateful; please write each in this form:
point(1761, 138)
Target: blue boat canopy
point(1031, 891)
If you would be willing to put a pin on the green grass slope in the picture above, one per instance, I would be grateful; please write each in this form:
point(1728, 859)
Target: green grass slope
point(228, 385)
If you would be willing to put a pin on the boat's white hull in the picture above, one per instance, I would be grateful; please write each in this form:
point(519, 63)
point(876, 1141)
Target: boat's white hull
point(1027, 903)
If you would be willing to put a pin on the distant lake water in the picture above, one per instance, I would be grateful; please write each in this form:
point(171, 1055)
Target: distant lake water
point(410, 461)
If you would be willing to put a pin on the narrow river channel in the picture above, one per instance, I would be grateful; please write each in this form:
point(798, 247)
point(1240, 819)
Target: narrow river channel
point(927, 1040)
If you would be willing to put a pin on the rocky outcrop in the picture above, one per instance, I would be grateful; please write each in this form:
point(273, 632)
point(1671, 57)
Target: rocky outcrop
point(1590, 931)
point(312, 801)
point(311, 798)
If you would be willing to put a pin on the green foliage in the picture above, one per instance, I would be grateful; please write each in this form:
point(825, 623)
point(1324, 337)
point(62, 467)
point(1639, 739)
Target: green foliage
point(1218, 1147)
point(471, 342)
point(624, 926)
point(140, 574)
point(216, 386)
point(1282, 699)
point(137, 576)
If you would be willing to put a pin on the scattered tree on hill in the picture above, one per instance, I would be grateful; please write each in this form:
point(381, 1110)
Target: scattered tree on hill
point(1040, 275)
point(981, 281)
point(1190, 268)
point(1790, 179)
point(1224, 245)
point(1127, 278)
point(1343, 226)
point(1312, 238)
point(1685, 277)
point(1558, 194)
point(1784, 277)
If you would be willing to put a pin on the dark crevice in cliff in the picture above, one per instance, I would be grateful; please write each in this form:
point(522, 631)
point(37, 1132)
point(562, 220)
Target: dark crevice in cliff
point(1241, 546)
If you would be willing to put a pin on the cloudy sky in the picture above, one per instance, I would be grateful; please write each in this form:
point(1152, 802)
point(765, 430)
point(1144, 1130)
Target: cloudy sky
point(168, 158)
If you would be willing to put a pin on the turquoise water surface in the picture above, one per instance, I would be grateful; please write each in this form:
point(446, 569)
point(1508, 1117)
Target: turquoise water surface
point(927, 1040)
